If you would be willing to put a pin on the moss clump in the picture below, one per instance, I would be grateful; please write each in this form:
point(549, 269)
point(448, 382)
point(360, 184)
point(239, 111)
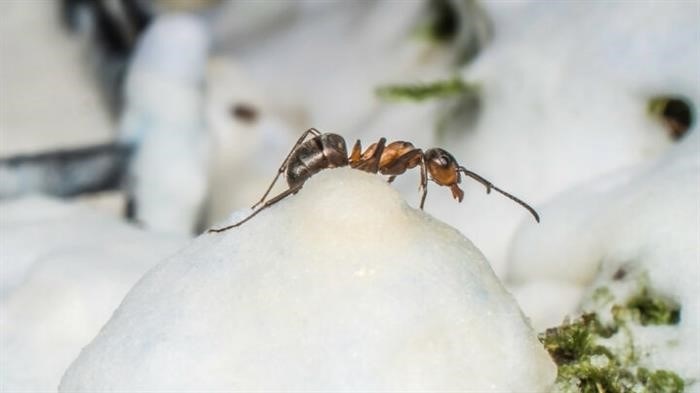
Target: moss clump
point(595, 376)
point(602, 295)
point(587, 366)
point(660, 381)
point(581, 359)
point(426, 91)
point(572, 341)
point(649, 309)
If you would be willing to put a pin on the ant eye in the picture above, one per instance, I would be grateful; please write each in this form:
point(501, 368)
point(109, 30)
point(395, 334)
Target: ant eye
point(441, 161)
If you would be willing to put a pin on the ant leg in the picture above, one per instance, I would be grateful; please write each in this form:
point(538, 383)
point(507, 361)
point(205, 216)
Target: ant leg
point(283, 167)
point(423, 187)
point(267, 204)
point(356, 154)
point(408, 160)
point(489, 186)
point(391, 179)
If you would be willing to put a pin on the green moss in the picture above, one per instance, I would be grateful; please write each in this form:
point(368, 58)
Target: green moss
point(660, 381)
point(587, 366)
point(602, 296)
point(595, 378)
point(425, 91)
point(651, 309)
point(570, 342)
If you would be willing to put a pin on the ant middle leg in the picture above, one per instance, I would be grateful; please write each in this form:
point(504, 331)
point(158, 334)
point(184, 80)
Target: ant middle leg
point(283, 167)
point(401, 164)
point(267, 204)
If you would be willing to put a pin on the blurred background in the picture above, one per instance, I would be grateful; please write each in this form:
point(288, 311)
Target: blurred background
point(137, 124)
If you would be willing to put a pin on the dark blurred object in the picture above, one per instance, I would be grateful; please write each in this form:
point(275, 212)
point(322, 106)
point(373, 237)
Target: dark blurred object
point(65, 173)
point(444, 21)
point(113, 28)
point(244, 112)
point(676, 113)
point(462, 25)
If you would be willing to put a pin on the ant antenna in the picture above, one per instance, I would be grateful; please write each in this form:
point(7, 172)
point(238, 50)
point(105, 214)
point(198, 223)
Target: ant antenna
point(489, 186)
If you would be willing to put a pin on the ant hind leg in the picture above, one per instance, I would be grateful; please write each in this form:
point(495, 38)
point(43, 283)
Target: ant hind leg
point(267, 204)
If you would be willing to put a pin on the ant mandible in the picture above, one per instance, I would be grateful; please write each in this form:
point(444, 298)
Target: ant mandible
point(322, 151)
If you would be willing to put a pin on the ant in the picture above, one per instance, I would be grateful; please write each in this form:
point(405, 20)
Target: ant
point(326, 150)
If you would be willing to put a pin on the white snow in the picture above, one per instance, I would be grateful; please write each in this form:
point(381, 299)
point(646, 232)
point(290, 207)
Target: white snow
point(340, 287)
point(63, 269)
point(564, 89)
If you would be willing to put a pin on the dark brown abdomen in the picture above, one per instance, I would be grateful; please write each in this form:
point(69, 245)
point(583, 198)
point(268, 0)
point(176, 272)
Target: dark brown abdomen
point(321, 152)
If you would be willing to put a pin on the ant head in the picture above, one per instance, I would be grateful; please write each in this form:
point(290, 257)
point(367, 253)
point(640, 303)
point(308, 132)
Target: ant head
point(442, 167)
point(335, 150)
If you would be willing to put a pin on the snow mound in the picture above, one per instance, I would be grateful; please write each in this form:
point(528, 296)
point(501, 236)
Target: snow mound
point(340, 287)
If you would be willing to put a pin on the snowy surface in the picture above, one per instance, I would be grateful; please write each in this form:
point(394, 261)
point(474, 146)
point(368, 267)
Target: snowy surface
point(340, 287)
point(564, 89)
point(64, 268)
point(644, 222)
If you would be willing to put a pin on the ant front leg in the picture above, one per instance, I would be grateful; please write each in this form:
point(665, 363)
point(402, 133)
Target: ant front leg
point(283, 167)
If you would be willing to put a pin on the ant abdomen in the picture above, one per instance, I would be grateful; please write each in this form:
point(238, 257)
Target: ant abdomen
point(318, 153)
